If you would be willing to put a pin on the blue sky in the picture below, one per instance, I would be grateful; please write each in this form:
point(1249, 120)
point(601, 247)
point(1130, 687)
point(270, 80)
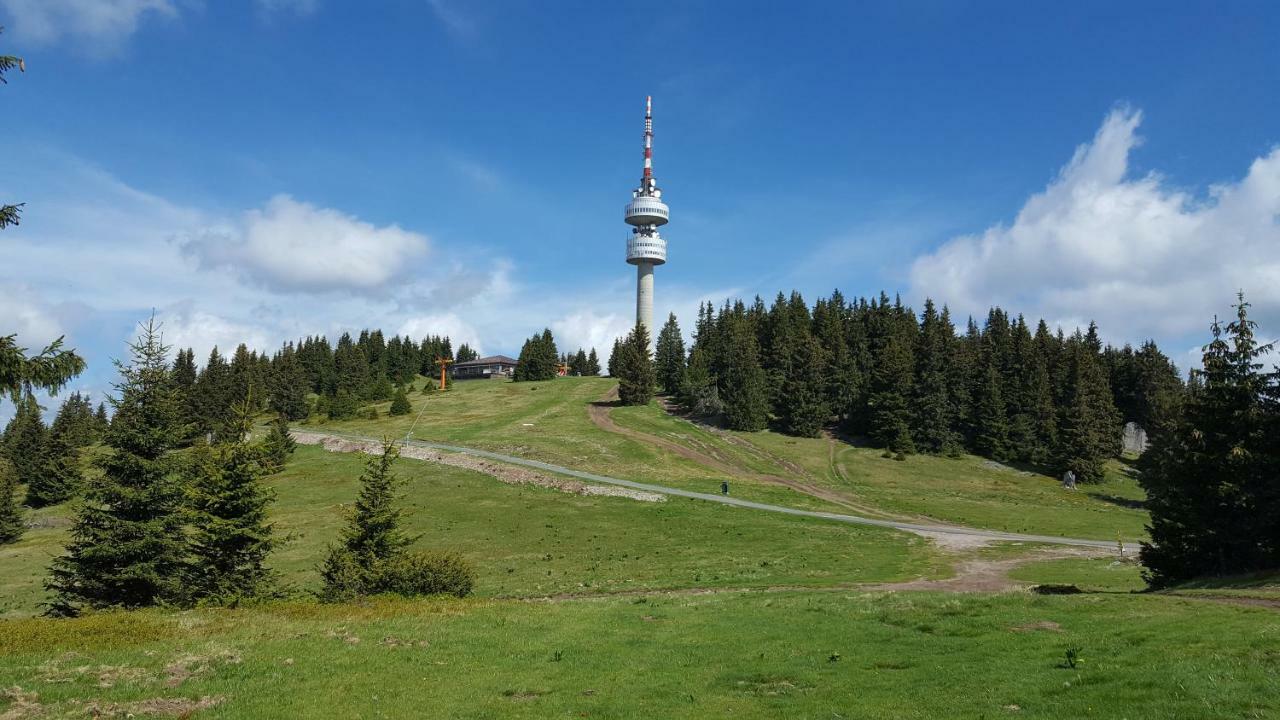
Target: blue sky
point(261, 169)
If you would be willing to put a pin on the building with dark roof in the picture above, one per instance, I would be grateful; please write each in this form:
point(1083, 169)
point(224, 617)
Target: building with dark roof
point(494, 366)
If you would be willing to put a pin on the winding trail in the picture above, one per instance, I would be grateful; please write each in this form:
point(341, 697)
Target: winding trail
point(913, 527)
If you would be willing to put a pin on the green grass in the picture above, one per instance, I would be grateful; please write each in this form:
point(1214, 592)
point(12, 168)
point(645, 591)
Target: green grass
point(1108, 574)
point(757, 655)
point(548, 421)
point(529, 541)
point(968, 490)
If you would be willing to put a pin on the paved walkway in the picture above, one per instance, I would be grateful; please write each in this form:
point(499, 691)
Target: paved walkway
point(738, 502)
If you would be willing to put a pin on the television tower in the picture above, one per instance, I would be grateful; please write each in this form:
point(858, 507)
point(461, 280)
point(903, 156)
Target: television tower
point(645, 212)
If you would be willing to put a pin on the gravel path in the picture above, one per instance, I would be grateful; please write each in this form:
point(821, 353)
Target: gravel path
point(914, 527)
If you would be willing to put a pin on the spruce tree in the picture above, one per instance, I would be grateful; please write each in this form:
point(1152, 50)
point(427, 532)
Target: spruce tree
point(24, 440)
point(613, 357)
point(11, 525)
point(669, 359)
point(230, 536)
point(278, 445)
point(991, 429)
point(1088, 428)
point(741, 380)
point(635, 368)
point(372, 538)
point(699, 394)
point(127, 542)
point(933, 415)
point(890, 392)
point(802, 406)
point(1210, 472)
point(58, 477)
point(593, 364)
point(400, 403)
point(75, 423)
point(289, 385)
point(538, 358)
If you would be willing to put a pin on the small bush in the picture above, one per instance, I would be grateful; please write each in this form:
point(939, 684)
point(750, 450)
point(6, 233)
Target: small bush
point(400, 404)
point(428, 573)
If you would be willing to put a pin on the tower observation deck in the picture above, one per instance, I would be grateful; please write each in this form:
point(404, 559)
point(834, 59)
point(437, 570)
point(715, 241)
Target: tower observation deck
point(645, 214)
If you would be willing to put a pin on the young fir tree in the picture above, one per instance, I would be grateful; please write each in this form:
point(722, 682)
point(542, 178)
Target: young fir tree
point(11, 525)
point(1210, 472)
point(58, 478)
point(400, 403)
point(278, 445)
point(372, 539)
point(592, 368)
point(230, 537)
point(128, 544)
point(613, 357)
point(343, 405)
point(24, 440)
point(100, 419)
point(669, 359)
point(635, 368)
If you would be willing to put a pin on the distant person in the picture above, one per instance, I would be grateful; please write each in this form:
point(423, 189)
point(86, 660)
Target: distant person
point(1069, 480)
point(724, 487)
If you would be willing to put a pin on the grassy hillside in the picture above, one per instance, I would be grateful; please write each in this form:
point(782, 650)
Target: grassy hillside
point(529, 541)
point(549, 422)
point(757, 655)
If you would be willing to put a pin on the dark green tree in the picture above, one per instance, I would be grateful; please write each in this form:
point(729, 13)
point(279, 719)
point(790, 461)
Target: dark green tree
point(230, 537)
point(372, 539)
point(58, 477)
point(289, 385)
point(669, 359)
point(991, 428)
point(343, 405)
point(1088, 427)
point(75, 423)
point(538, 358)
point(278, 445)
point(890, 387)
point(933, 415)
point(592, 368)
point(740, 379)
point(1210, 472)
point(466, 354)
point(11, 525)
point(24, 440)
point(51, 370)
point(635, 368)
point(400, 403)
point(128, 546)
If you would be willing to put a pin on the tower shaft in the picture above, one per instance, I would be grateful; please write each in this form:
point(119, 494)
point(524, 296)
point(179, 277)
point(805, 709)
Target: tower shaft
point(644, 297)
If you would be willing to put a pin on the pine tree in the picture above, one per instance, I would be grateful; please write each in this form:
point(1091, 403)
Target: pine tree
point(400, 404)
point(343, 405)
point(213, 395)
point(278, 445)
point(100, 419)
point(1210, 472)
point(613, 357)
point(230, 535)
point(372, 538)
point(538, 358)
point(128, 546)
point(593, 364)
point(75, 423)
point(890, 388)
point(669, 359)
point(11, 525)
point(635, 368)
point(24, 441)
point(699, 394)
point(802, 407)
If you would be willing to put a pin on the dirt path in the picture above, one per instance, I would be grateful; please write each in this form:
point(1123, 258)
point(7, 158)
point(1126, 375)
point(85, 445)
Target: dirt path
point(599, 413)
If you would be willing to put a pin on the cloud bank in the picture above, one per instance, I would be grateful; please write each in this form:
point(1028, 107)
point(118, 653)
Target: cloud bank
point(104, 23)
point(1140, 257)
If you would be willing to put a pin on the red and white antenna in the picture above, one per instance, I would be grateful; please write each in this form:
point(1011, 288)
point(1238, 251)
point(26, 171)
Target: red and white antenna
point(648, 137)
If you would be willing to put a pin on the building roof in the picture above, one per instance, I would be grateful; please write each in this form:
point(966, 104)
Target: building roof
point(491, 360)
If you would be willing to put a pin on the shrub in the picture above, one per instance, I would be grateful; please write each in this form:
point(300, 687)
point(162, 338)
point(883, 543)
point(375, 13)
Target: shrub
point(400, 405)
point(427, 573)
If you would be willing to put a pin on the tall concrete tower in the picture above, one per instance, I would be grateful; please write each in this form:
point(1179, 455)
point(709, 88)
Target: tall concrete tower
point(645, 213)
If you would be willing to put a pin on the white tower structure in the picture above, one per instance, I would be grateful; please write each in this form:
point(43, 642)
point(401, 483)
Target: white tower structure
point(645, 213)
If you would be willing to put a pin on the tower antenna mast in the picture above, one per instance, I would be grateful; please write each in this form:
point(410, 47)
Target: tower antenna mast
point(646, 212)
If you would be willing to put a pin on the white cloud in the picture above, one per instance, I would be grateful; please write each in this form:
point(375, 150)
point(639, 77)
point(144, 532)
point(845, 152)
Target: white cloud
point(28, 316)
point(291, 245)
point(450, 325)
point(104, 23)
point(588, 329)
point(184, 326)
point(1141, 258)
